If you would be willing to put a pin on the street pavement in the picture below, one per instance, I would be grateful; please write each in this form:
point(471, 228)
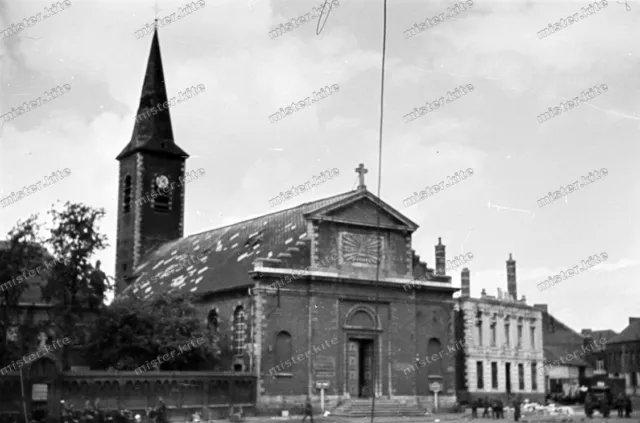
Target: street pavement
point(447, 418)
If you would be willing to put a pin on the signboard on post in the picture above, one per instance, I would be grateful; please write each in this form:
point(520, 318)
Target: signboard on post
point(435, 387)
point(322, 386)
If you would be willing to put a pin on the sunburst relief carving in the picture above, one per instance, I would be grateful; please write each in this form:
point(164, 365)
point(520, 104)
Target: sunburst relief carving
point(360, 248)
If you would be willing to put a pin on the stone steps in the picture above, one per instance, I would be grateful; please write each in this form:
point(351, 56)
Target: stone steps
point(383, 408)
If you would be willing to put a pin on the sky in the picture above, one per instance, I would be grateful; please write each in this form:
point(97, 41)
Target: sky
point(493, 130)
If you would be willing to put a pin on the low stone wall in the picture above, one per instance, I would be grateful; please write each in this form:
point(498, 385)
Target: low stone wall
point(182, 392)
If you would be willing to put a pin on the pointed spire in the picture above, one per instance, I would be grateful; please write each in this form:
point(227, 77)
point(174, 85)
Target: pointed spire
point(153, 132)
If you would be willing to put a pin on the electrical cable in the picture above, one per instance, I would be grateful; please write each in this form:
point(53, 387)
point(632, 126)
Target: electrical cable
point(375, 362)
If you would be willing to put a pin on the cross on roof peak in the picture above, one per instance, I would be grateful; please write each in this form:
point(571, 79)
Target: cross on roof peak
point(361, 171)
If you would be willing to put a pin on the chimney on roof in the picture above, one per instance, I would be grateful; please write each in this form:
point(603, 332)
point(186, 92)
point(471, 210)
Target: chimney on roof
point(466, 283)
point(499, 293)
point(587, 333)
point(511, 278)
point(440, 258)
point(633, 319)
point(541, 307)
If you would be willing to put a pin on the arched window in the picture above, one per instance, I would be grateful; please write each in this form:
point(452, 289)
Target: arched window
point(239, 330)
point(435, 367)
point(212, 321)
point(127, 194)
point(284, 349)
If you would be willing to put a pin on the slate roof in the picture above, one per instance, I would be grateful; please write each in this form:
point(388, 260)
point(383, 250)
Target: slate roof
point(557, 333)
point(606, 334)
point(229, 252)
point(629, 334)
point(555, 352)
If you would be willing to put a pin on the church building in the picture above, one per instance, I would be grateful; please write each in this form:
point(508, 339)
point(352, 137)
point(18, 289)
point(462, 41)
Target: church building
point(313, 295)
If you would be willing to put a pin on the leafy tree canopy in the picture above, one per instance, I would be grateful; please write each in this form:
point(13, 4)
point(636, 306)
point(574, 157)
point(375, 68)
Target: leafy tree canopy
point(130, 333)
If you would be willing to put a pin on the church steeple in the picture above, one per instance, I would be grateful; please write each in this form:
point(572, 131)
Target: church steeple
point(152, 131)
point(152, 169)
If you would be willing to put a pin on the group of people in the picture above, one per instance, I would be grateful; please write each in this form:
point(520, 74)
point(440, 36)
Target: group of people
point(495, 408)
point(623, 404)
point(92, 413)
point(604, 404)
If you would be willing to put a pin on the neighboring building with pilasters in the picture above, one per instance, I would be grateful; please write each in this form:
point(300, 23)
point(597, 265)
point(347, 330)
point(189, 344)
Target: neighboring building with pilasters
point(506, 354)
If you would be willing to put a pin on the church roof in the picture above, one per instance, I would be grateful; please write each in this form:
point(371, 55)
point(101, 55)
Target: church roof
point(153, 132)
point(221, 259)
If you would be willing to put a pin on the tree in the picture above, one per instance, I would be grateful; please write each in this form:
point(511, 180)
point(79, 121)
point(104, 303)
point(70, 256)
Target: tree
point(76, 288)
point(131, 332)
point(19, 255)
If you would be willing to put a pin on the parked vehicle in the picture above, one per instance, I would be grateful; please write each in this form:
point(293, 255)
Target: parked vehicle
point(599, 398)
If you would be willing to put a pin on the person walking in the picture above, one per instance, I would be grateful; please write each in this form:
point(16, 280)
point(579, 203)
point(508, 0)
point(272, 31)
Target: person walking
point(620, 404)
point(474, 409)
point(499, 409)
point(487, 405)
point(516, 409)
point(308, 410)
point(604, 407)
point(627, 406)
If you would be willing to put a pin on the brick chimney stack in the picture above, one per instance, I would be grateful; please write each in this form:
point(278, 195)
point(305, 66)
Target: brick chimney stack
point(511, 278)
point(440, 259)
point(466, 284)
point(542, 307)
point(587, 333)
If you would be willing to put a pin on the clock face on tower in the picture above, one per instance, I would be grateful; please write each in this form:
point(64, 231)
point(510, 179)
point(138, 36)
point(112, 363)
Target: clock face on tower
point(162, 181)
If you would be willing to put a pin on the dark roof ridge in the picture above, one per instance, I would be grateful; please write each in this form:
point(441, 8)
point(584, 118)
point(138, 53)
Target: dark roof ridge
point(267, 215)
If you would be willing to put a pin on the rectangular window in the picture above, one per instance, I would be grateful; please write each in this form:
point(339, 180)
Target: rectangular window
point(521, 377)
point(507, 337)
point(533, 337)
point(494, 375)
point(519, 336)
point(534, 377)
point(600, 364)
point(479, 326)
point(493, 335)
point(480, 373)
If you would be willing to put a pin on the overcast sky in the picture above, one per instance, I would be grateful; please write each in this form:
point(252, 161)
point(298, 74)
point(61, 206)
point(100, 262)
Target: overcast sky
point(248, 160)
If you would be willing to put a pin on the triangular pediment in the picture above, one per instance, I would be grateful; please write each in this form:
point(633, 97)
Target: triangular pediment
point(364, 209)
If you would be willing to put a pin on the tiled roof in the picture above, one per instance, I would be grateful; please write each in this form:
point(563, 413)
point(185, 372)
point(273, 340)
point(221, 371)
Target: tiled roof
point(630, 333)
point(226, 254)
point(557, 333)
point(555, 352)
point(606, 334)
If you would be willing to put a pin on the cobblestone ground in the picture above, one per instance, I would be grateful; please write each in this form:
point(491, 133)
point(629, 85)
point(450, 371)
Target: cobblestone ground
point(449, 418)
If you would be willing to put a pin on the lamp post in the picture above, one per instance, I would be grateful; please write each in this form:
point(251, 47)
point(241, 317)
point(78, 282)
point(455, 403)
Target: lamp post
point(418, 378)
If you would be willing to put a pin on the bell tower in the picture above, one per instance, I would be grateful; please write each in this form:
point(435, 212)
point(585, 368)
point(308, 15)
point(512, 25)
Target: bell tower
point(150, 193)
